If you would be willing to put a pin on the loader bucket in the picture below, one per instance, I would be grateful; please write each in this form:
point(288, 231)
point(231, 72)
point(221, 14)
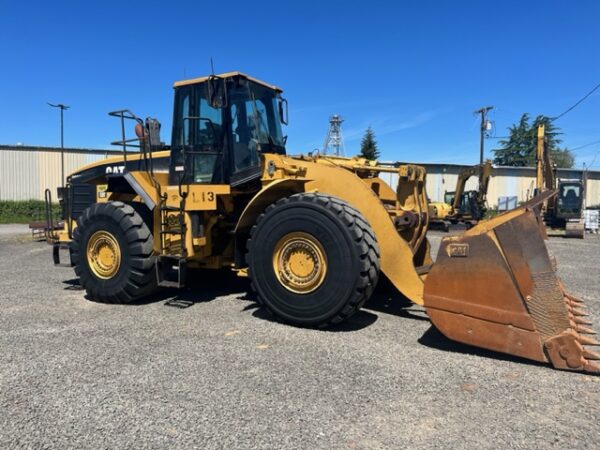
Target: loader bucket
point(496, 287)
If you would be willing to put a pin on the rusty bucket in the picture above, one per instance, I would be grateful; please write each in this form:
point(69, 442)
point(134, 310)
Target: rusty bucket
point(496, 287)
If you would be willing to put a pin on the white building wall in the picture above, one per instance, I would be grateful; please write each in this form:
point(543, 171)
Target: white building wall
point(25, 174)
point(505, 181)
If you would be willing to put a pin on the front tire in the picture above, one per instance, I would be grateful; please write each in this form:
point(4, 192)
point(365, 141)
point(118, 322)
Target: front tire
point(313, 260)
point(112, 253)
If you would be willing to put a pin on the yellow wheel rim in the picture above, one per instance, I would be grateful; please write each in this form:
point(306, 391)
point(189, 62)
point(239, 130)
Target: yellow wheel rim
point(103, 254)
point(299, 262)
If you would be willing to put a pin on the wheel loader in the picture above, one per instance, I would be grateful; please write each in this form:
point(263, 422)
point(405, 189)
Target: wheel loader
point(313, 233)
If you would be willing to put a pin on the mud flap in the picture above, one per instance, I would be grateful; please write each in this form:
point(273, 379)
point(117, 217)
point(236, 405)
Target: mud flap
point(496, 287)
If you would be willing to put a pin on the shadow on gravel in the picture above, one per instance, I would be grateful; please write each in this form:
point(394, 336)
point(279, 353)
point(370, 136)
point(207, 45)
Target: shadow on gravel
point(386, 299)
point(72, 285)
point(396, 305)
point(204, 286)
point(201, 286)
point(362, 319)
point(434, 339)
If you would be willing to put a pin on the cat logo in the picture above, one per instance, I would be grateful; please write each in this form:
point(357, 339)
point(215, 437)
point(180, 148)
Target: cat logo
point(115, 169)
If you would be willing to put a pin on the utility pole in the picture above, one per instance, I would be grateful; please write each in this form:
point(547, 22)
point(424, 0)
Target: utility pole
point(584, 179)
point(62, 140)
point(482, 129)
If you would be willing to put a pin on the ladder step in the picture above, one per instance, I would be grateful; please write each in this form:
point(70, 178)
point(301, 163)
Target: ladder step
point(171, 232)
point(169, 208)
point(169, 284)
point(171, 271)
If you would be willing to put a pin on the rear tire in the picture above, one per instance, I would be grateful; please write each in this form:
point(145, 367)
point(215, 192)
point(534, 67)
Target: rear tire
point(112, 253)
point(313, 260)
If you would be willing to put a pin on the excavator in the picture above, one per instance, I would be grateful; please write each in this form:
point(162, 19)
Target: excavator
point(459, 206)
point(564, 212)
point(438, 216)
point(470, 207)
point(313, 233)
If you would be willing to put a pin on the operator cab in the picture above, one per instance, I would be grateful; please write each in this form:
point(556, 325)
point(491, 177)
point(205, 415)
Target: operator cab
point(570, 199)
point(221, 125)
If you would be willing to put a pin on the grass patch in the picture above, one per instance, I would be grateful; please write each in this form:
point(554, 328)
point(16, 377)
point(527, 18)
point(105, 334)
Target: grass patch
point(25, 211)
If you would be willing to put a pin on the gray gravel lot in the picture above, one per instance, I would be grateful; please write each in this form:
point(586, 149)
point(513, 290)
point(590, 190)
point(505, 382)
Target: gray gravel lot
point(206, 368)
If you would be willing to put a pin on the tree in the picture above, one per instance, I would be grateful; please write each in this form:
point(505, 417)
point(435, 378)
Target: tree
point(516, 151)
point(368, 145)
point(520, 147)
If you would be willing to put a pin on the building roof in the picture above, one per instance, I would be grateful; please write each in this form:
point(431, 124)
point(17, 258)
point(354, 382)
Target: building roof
point(30, 148)
point(462, 166)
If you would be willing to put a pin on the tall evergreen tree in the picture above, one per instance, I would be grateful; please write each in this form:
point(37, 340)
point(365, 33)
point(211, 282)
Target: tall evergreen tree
point(368, 145)
point(516, 150)
point(520, 147)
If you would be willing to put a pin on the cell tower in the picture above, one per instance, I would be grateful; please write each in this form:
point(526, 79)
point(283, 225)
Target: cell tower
point(334, 139)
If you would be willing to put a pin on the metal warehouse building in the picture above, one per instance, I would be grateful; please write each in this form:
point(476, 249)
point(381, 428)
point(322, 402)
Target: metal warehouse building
point(25, 173)
point(505, 182)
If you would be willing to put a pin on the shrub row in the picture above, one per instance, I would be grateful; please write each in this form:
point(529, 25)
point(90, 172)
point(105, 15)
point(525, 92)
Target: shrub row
point(25, 211)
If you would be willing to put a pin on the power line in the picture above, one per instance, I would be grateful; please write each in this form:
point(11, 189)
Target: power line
point(577, 103)
point(584, 146)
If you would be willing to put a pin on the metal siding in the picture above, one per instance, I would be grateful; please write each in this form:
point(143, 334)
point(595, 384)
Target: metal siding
point(592, 195)
point(25, 175)
point(18, 180)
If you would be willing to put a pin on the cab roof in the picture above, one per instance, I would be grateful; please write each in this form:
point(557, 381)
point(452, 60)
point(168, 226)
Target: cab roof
point(227, 75)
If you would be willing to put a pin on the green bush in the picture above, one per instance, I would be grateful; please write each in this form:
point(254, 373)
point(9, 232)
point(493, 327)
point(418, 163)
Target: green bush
point(25, 211)
point(492, 212)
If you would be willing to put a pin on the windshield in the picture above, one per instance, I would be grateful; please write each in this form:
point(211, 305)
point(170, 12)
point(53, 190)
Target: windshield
point(255, 114)
point(255, 123)
point(569, 199)
point(449, 198)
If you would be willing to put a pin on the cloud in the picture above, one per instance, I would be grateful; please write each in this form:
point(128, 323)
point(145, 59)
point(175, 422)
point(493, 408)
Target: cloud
point(339, 106)
point(387, 126)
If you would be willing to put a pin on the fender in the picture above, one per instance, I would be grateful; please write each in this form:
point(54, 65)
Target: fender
point(396, 254)
point(266, 196)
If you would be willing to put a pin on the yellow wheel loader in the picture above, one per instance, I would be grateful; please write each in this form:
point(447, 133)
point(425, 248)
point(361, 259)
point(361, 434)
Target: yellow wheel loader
point(313, 233)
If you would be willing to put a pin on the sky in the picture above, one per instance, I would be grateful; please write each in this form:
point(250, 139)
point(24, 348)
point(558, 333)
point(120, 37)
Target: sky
point(413, 71)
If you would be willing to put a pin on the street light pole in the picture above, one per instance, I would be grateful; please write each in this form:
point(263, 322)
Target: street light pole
point(62, 140)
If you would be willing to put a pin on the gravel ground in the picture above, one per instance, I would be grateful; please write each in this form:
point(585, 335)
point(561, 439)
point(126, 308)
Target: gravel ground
point(208, 369)
point(13, 229)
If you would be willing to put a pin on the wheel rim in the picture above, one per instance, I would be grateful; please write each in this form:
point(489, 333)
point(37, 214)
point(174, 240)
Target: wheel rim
point(299, 262)
point(103, 254)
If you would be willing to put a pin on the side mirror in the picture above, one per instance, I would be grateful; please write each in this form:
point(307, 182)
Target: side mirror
point(283, 111)
point(217, 92)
